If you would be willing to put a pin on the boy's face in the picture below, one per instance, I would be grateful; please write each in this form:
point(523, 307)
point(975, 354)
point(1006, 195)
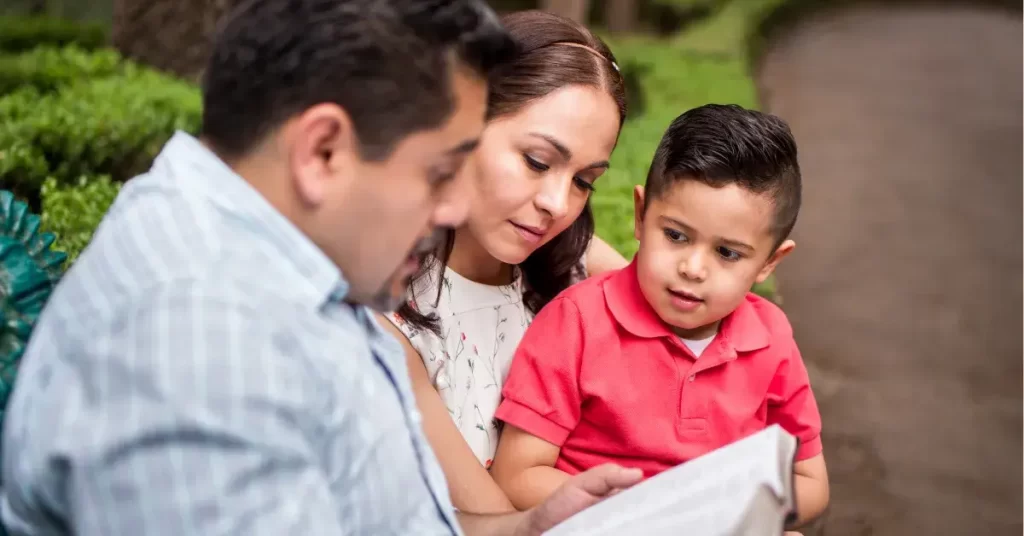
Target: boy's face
point(701, 249)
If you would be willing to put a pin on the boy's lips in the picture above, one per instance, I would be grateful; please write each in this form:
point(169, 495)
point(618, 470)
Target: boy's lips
point(685, 301)
point(686, 295)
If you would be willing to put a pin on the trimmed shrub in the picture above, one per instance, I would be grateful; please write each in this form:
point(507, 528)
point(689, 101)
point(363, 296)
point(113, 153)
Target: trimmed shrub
point(74, 211)
point(18, 34)
point(49, 68)
point(108, 126)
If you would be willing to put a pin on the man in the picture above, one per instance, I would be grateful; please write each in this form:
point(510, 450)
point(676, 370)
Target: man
point(209, 365)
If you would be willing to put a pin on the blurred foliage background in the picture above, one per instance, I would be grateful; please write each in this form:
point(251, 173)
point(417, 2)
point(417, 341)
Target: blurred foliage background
point(90, 90)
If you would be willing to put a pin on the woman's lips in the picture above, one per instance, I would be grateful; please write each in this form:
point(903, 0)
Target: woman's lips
point(529, 233)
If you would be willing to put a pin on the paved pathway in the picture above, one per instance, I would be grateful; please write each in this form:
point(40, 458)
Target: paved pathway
point(906, 287)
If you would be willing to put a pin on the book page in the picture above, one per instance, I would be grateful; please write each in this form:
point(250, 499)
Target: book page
point(709, 495)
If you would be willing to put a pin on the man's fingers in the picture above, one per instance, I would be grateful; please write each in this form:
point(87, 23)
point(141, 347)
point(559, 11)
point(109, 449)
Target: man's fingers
point(602, 480)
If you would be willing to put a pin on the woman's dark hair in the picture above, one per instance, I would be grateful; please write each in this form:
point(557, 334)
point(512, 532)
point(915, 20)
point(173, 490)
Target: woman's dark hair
point(552, 52)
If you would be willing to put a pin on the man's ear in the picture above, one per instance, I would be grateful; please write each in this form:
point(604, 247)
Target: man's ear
point(322, 146)
point(784, 249)
point(638, 210)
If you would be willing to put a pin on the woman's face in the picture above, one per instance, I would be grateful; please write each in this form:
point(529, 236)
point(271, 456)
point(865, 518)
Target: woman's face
point(535, 169)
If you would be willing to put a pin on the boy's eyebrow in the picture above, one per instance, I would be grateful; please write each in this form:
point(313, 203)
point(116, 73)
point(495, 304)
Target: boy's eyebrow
point(727, 241)
point(737, 244)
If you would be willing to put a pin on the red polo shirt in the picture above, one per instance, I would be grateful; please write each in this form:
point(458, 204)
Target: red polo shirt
point(601, 376)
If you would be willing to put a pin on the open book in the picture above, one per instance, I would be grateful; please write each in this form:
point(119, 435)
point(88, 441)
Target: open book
point(742, 489)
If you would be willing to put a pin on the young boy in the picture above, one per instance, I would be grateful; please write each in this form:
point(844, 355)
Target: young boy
point(672, 357)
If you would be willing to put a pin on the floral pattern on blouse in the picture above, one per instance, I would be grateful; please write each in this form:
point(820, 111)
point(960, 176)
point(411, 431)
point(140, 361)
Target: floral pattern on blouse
point(481, 325)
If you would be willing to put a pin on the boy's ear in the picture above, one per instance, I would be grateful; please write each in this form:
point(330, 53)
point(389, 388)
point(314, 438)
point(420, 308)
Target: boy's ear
point(638, 210)
point(784, 249)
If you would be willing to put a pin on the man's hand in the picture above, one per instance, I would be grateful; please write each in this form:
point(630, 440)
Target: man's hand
point(578, 493)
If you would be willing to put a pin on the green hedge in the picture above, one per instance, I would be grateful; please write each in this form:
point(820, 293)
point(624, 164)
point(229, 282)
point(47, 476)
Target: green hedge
point(48, 68)
point(104, 126)
point(73, 211)
point(18, 34)
point(76, 121)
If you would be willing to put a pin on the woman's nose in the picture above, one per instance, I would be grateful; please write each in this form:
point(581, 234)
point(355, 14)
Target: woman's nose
point(553, 196)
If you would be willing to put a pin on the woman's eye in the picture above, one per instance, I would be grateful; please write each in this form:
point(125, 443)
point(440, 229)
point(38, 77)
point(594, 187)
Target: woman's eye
point(535, 164)
point(442, 178)
point(674, 235)
point(729, 254)
point(582, 184)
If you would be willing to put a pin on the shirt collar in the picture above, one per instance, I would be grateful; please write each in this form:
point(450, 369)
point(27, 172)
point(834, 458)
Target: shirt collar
point(743, 329)
point(201, 172)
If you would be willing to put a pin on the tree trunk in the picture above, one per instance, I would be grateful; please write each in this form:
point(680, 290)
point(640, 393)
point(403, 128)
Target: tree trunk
point(173, 36)
point(37, 7)
point(621, 16)
point(577, 10)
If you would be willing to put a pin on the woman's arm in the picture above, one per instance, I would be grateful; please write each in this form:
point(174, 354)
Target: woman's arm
point(471, 486)
point(603, 258)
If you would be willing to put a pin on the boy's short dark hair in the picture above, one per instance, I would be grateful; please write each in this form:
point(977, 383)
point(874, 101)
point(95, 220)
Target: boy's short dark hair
point(386, 62)
point(720, 145)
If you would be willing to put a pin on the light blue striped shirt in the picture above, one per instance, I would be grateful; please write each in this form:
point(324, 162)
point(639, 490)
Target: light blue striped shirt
point(196, 372)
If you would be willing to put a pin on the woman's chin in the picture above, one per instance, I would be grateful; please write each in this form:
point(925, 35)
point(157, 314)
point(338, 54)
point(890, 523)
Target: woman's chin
point(513, 254)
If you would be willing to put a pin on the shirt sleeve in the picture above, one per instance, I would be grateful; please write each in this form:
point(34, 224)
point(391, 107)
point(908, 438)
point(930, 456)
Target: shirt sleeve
point(791, 404)
point(193, 417)
point(541, 394)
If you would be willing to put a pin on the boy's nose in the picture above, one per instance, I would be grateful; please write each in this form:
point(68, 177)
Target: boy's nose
point(693, 267)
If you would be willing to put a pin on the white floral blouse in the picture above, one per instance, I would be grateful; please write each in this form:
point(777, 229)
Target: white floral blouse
point(481, 325)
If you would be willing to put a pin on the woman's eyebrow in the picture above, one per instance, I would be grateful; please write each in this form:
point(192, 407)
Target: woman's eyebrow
point(565, 152)
point(559, 146)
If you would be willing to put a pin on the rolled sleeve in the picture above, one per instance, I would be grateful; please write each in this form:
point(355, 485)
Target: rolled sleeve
point(193, 418)
point(541, 394)
point(792, 405)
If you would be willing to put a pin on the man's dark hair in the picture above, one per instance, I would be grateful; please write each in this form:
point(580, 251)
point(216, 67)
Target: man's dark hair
point(720, 145)
point(388, 63)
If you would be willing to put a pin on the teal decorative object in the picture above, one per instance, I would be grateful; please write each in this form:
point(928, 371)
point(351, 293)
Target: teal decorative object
point(29, 270)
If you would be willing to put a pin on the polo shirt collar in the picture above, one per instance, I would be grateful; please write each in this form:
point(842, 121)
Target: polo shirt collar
point(743, 329)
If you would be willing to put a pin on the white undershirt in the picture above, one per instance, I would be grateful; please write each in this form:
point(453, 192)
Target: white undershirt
point(697, 346)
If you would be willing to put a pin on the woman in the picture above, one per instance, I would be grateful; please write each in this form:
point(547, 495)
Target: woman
point(554, 116)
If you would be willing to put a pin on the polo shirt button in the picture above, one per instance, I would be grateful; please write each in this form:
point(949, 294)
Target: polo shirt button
point(692, 376)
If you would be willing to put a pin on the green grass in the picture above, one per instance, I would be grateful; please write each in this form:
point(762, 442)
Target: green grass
point(707, 63)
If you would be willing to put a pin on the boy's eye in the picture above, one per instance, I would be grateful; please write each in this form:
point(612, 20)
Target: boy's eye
point(674, 235)
point(535, 164)
point(729, 254)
